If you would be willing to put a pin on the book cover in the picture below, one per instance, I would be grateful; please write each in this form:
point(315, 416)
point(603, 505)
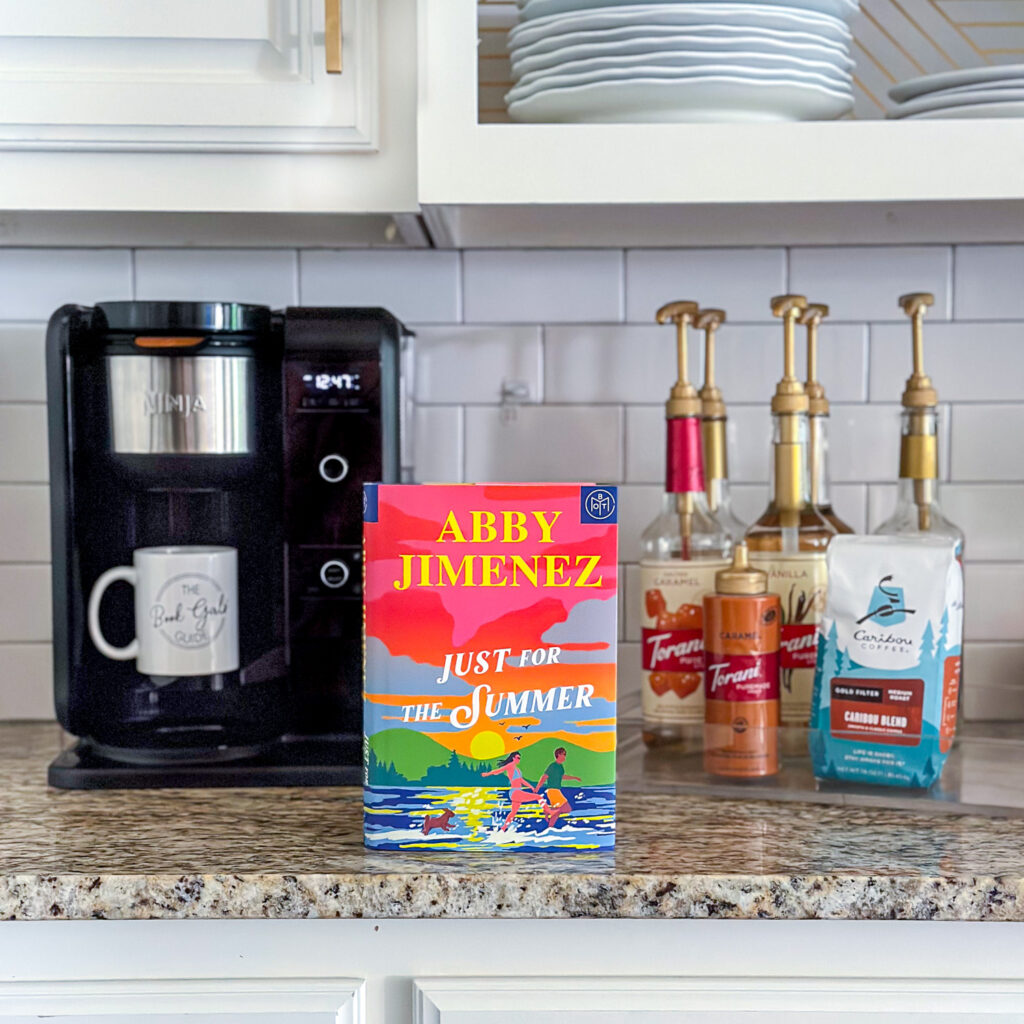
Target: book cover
point(489, 666)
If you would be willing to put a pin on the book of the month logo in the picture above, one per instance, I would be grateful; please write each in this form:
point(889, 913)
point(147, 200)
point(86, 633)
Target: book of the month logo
point(598, 505)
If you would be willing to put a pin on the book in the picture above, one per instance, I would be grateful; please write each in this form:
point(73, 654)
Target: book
point(489, 666)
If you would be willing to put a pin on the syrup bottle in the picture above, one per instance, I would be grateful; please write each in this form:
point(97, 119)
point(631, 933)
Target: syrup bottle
point(917, 501)
point(713, 430)
point(789, 540)
point(682, 549)
point(818, 412)
point(741, 653)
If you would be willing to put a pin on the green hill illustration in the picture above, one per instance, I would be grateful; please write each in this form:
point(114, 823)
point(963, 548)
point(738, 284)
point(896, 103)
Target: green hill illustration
point(399, 757)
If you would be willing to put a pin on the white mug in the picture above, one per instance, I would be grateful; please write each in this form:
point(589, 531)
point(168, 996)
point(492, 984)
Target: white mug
point(186, 610)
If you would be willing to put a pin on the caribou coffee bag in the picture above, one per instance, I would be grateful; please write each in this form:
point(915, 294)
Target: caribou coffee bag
point(887, 678)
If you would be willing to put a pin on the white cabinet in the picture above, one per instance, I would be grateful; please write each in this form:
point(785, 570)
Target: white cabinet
point(185, 1002)
point(680, 184)
point(724, 1000)
point(208, 105)
point(198, 75)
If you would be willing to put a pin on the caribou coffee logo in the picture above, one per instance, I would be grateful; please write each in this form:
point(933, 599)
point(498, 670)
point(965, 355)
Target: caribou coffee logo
point(887, 604)
point(189, 610)
point(160, 403)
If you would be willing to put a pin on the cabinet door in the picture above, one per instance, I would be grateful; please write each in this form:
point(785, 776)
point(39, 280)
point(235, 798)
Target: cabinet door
point(291, 1001)
point(193, 75)
point(639, 1000)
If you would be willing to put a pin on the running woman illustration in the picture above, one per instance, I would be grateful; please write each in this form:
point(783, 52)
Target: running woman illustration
point(520, 791)
point(554, 776)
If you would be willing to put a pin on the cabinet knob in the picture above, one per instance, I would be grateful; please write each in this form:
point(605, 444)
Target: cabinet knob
point(333, 36)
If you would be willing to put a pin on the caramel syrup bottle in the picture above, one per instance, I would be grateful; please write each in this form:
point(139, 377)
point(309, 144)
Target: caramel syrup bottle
point(742, 631)
point(682, 549)
point(917, 502)
point(713, 430)
point(818, 413)
point(789, 540)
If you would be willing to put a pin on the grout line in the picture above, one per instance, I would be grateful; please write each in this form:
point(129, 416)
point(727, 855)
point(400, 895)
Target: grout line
point(623, 285)
point(951, 283)
point(296, 277)
point(460, 286)
point(132, 274)
point(462, 444)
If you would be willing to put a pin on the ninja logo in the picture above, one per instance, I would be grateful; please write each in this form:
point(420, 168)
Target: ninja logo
point(886, 604)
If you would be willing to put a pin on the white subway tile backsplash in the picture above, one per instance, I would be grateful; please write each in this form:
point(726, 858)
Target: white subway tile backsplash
point(23, 447)
point(749, 501)
point(543, 285)
point(987, 282)
point(472, 364)
point(645, 444)
point(437, 444)
point(882, 504)
point(993, 602)
point(990, 517)
point(993, 675)
point(850, 503)
point(415, 285)
point(26, 683)
point(25, 613)
point(861, 283)
point(544, 442)
point(24, 523)
point(35, 282)
point(987, 442)
point(638, 505)
point(748, 435)
point(633, 599)
point(264, 277)
point(23, 362)
point(588, 363)
point(628, 671)
point(740, 281)
point(967, 362)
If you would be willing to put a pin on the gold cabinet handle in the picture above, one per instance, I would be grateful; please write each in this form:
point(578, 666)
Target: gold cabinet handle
point(333, 35)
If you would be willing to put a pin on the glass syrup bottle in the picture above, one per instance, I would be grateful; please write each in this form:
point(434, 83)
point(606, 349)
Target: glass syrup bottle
point(713, 430)
point(917, 501)
point(817, 423)
point(682, 549)
point(789, 540)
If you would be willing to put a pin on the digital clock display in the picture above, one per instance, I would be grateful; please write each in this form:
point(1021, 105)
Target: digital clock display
point(325, 383)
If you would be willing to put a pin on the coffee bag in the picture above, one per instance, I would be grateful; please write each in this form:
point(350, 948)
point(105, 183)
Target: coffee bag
point(887, 679)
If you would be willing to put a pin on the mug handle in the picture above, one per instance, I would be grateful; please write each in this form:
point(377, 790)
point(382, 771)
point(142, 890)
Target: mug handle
point(129, 575)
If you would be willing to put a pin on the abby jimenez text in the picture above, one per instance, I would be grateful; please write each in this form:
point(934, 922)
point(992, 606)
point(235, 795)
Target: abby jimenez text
point(508, 527)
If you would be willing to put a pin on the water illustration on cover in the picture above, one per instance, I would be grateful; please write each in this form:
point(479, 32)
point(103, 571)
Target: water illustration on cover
point(489, 695)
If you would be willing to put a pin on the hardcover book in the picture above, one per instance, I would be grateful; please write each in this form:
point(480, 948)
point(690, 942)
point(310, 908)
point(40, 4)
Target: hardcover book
point(489, 652)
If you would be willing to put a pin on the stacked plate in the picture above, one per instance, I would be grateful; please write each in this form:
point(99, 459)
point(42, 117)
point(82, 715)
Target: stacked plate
point(681, 60)
point(996, 91)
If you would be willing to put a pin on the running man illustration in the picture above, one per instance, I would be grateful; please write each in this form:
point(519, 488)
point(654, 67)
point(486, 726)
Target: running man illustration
point(554, 775)
point(520, 791)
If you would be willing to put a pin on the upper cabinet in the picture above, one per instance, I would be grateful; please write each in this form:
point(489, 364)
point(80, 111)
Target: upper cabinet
point(258, 105)
point(482, 181)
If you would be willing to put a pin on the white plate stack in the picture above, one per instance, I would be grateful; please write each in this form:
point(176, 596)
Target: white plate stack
point(681, 60)
point(996, 91)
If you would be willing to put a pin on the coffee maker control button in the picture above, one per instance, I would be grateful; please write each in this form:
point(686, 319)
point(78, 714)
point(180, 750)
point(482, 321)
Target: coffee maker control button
point(334, 574)
point(334, 468)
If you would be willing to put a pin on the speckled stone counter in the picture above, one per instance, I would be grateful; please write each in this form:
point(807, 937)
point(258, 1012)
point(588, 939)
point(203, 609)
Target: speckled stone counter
point(281, 853)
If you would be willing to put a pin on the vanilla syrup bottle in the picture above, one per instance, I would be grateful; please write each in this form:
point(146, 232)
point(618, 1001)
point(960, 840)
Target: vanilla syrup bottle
point(789, 540)
point(682, 549)
point(817, 423)
point(713, 430)
point(917, 501)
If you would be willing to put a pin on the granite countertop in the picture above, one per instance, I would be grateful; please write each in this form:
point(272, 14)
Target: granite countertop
point(283, 853)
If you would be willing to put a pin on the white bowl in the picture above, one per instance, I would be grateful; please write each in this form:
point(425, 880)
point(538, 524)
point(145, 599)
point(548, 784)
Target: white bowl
point(677, 99)
point(926, 104)
point(978, 110)
point(529, 9)
point(675, 41)
point(737, 14)
point(719, 60)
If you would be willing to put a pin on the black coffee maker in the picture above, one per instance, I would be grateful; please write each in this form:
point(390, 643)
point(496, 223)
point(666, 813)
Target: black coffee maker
point(212, 455)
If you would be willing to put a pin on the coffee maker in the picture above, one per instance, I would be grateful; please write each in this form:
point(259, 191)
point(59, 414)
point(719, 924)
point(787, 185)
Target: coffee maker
point(207, 462)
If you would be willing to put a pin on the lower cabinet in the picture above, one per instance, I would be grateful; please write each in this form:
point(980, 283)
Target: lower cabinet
point(725, 1000)
point(243, 1001)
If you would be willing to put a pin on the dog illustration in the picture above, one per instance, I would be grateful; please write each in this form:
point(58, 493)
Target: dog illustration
point(443, 821)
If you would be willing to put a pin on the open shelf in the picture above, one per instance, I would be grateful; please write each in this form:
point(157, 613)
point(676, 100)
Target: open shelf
point(660, 184)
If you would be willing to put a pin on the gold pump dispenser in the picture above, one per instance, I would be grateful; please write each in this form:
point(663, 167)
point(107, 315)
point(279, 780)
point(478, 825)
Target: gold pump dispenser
point(818, 412)
point(713, 430)
point(683, 402)
point(917, 509)
point(680, 551)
